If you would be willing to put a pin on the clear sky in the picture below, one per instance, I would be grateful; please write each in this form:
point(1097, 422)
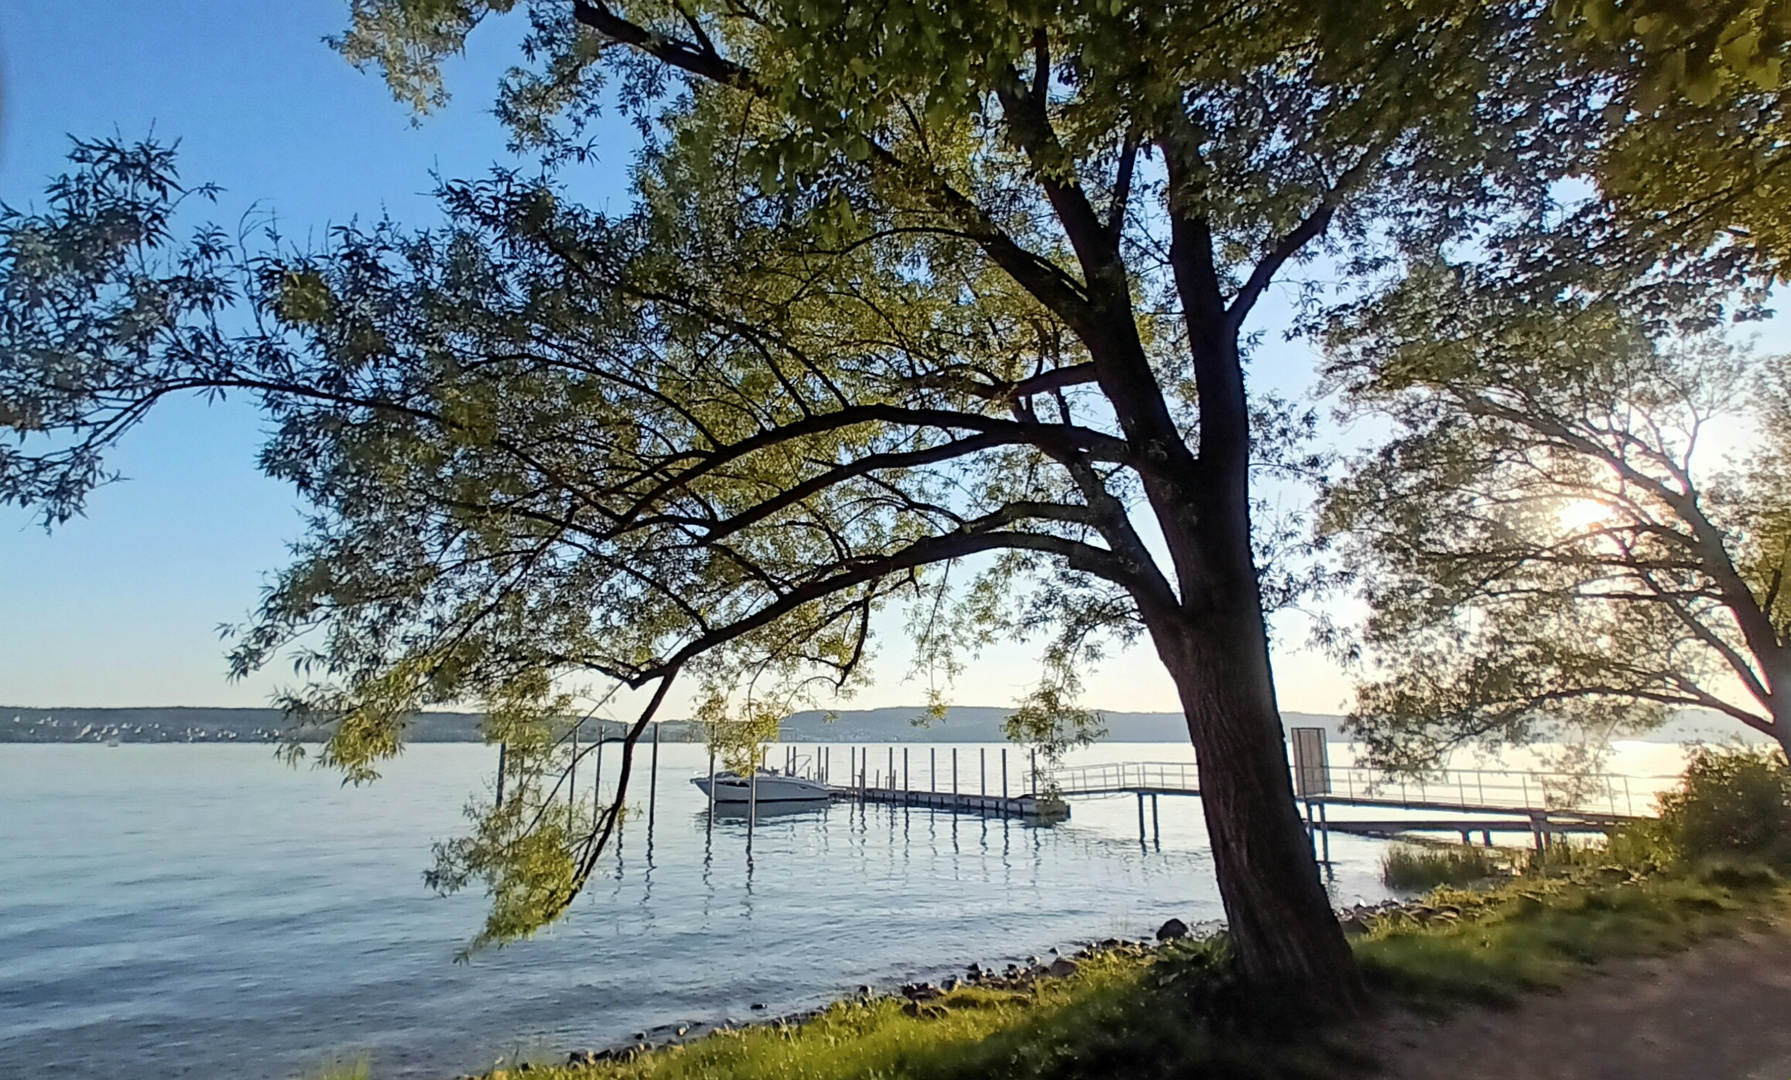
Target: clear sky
point(124, 606)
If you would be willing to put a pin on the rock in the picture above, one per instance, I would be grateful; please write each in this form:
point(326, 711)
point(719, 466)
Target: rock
point(1113, 942)
point(579, 1057)
point(682, 1029)
point(639, 1035)
point(864, 991)
point(1062, 968)
point(1353, 925)
point(953, 983)
point(924, 1011)
point(758, 1005)
point(1174, 928)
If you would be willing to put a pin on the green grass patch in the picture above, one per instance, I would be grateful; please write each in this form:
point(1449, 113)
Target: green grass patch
point(1537, 931)
point(1125, 1014)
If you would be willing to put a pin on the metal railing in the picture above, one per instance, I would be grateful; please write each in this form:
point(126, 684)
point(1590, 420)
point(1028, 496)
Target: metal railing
point(1464, 789)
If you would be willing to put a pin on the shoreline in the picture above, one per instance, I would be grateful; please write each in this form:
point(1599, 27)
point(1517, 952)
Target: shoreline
point(1014, 974)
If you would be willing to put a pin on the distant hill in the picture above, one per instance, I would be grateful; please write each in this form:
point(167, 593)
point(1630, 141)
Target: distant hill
point(183, 724)
point(969, 723)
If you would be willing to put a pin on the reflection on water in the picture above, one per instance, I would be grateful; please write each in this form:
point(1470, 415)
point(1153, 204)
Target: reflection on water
point(190, 909)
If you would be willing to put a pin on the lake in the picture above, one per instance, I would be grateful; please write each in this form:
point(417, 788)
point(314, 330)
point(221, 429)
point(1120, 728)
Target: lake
point(204, 911)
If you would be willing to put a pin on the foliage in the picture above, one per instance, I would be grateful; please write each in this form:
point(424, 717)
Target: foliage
point(1733, 802)
point(1696, 95)
point(1416, 867)
point(1542, 547)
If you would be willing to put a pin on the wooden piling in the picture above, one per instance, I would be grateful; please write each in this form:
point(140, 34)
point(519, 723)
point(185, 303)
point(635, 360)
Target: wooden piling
point(653, 779)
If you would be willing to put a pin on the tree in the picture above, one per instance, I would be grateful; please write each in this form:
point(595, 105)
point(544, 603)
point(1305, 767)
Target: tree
point(1696, 95)
point(1542, 543)
point(898, 291)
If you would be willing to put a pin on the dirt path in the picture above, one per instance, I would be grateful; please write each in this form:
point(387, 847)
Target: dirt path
point(1719, 1011)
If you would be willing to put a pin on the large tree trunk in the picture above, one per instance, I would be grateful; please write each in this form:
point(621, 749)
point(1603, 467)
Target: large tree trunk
point(1286, 937)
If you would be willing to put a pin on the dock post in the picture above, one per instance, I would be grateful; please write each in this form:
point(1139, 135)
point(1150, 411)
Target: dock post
point(982, 771)
point(503, 750)
point(932, 770)
point(1141, 836)
point(711, 783)
point(1156, 827)
point(892, 770)
point(954, 772)
point(597, 780)
point(1324, 818)
point(907, 777)
point(752, 806)
point(653, 779)
point(1486, 837)
point(1033, 767)
point(1004, 773)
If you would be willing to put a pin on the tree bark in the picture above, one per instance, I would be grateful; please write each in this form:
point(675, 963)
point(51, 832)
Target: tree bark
point(1286, 937)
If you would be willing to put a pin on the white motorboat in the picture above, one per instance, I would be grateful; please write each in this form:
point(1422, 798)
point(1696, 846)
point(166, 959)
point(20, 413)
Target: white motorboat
point(773, 787)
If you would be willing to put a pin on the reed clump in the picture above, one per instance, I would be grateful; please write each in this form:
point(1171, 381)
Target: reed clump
point(1410, 867)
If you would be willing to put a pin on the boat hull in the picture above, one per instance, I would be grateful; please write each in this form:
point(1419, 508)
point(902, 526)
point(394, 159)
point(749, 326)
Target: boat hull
point(771, 789)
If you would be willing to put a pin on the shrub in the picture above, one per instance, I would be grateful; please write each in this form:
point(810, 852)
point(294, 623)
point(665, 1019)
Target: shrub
point(1414, 867)
point(1732, 801)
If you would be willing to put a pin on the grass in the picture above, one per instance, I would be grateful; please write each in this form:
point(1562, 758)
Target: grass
point(1125, 1013)
point(1539, 930)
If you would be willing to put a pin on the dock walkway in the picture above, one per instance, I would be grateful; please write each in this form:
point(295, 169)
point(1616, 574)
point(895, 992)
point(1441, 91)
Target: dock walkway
point(1465, 802)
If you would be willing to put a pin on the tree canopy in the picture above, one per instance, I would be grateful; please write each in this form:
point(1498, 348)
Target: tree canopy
point(1550, 541)
point(1696, 96)
point(898, 288)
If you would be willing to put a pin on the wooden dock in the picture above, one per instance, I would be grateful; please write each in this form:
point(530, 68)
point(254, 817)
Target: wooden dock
point(1040, 808)
point(1467, 803)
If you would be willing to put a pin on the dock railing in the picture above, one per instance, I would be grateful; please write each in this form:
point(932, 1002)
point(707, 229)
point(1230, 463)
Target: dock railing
point(1463, 789)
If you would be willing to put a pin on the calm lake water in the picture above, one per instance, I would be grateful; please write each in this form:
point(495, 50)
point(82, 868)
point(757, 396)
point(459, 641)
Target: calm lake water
point(203, 911)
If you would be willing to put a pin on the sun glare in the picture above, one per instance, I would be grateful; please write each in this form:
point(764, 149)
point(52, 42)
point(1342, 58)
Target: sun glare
point(1578, 515)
